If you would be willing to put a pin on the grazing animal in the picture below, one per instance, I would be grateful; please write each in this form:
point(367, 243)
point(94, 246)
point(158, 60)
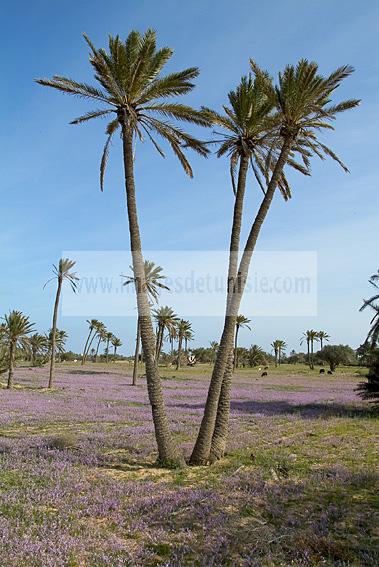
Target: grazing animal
point(263, 374)
point(322, 371)
point(330, 372)
point(266, 367)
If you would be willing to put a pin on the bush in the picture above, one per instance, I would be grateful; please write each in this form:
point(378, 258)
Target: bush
point(335, 355)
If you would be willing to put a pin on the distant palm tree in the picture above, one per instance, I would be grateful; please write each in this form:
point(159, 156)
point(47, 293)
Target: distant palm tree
point(256, 355)
point(166, 320)
point(301, 108)
point(101, 333)
point(109, 338)
point(116, 343)
point(134, 94)
point(241, 322)
point(187, 336)
point(214, 348)
point(323, 336)
point(373, 303)
point(60, 342)
point(153, 279)
point(62, 273)
point(310, 337)
point(183, 328)
point(279, 347)
point(93, 323)
point(38, 345)
point(16, 328)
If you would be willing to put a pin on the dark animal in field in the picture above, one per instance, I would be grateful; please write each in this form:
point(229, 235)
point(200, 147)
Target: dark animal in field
point(266, 367)
point(330, 372)
point(322, 371)
point(263, 374)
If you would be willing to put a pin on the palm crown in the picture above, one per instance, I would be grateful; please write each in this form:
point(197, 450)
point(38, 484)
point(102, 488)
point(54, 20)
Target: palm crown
point(132, 87)
point(303, 102)
point(16, 327)
point(373, 335)
point(153, 279)
point(251, 130)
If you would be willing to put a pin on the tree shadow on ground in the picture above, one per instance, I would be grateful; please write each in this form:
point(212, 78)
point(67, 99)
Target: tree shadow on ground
point(92, 372)
point(280, 407)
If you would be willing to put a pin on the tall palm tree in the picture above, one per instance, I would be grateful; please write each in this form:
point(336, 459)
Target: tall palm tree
point(323, 336)
point(116, 343)
point(183, 328)
point(16, 328)
point(310, 337)
point(134, 94)
point(109, 338)
point(153, 279)
point(38, 345)
point(279, 347)
point(373, 303)
point(187, 336)
point(62, 273)
point(91, 335)
point(101, 333)
point(241, 322)
point(302, 102)
point(166, 320)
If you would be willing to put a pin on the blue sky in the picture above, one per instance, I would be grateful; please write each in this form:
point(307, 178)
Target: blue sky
point(49, 184)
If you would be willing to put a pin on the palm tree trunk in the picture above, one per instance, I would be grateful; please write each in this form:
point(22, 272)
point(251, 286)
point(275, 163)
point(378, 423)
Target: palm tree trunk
point(167, 452)
point(114, 353)
point(201, 451)
point(221, 429)
point(107, 352)
point(179, 352)
point(235, 361)
point(136, 353)
point(12, 347)
point(309, 354)
point(321, 343)
point(54, 332)
point(97, 349)
point(312, 366)
point(85, 347)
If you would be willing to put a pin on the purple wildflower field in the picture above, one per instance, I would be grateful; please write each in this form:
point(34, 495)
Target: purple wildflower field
point(79, 487)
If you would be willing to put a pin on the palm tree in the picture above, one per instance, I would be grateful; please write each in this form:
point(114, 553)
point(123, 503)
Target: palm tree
point(214, 348)
point(16, 328)
point(279, 347)
point(93, 323)
point(116, 343)
point(323, 336)
point(373, 335)
point(187, 336)
point(101, 333)
point(38, 345)
point(310, 337)
point(153, 279)
point(256, 355)
point(183, 328)
point(241, 322)
point(134, 94)
point(166, 320)
point(62, 273)
point(60, 341)
point(108, 339)
point(302, 101)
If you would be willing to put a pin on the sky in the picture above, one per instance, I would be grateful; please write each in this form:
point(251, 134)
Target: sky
point(50, 195)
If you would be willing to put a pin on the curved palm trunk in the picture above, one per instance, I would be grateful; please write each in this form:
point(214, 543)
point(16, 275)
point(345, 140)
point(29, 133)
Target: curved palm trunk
point(107, 352)
point(235, 361)
point(86, 347)
point(136, 354)
point(97, 349)
point(167, 452)
point(12, 348)
point(159, 342)
point(54, 333)
point(201, 451)
point(89, 346)
point(221, 429)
